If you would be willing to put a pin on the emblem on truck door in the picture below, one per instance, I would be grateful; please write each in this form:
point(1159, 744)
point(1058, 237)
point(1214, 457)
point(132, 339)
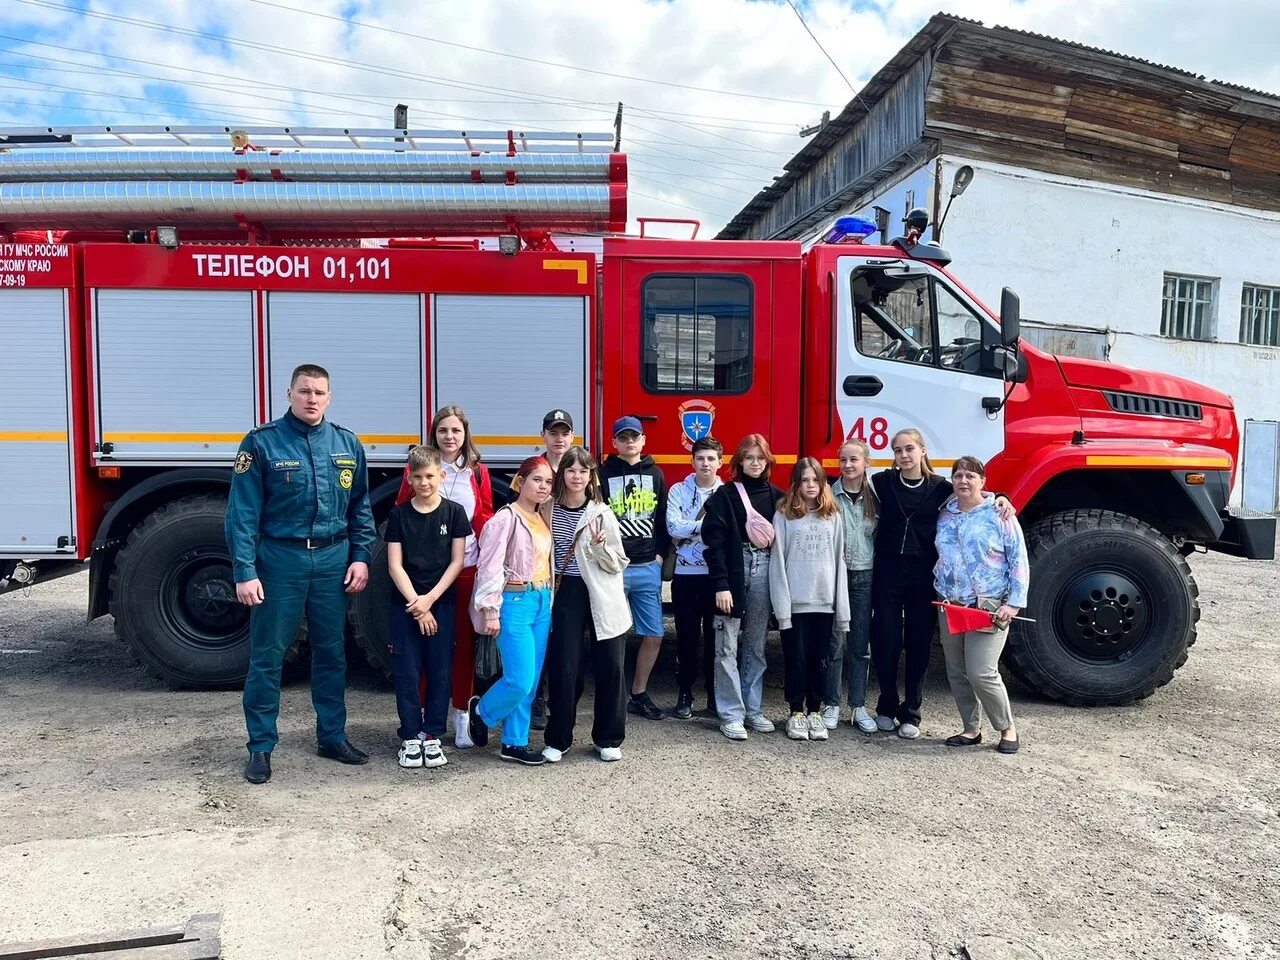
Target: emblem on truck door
point(696, 418)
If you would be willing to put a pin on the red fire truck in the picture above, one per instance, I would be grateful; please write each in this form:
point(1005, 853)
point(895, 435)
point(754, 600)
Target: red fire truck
point(153, 300)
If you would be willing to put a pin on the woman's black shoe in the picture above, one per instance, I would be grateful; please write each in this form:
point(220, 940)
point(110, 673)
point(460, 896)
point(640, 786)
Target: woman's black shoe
point(684, 707)
point(1007, 746)
point(258, 769)
point(523, 755)
point(478, 729)
point(960, 740)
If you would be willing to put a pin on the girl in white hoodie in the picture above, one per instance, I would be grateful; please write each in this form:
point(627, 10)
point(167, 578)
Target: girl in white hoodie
point(808, 585)
point(590, 617)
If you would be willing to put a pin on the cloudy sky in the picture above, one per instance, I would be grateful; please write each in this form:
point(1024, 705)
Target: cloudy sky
point(715, 91)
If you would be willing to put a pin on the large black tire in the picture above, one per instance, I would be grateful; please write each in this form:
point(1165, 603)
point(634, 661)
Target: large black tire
point(368, 612)
point(173, 597)
point(1115, 607)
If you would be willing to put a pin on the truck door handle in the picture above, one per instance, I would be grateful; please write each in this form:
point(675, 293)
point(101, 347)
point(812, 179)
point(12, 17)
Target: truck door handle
point(862, 386)
point(645, 416)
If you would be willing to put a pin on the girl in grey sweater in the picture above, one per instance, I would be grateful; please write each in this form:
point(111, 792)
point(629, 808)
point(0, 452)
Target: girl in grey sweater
point(808, 586)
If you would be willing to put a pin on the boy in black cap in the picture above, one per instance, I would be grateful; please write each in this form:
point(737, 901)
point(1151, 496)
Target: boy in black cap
point(636, 491)
point(557, 436)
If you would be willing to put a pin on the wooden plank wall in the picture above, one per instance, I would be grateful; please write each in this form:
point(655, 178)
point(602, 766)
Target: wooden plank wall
point(1060, 109)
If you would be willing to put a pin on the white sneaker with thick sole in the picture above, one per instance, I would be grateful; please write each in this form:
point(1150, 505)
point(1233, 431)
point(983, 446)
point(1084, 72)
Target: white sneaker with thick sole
point(798, 726)
point(734, 730)
point(885, 724)
point(831, 717)
point(432, 755)
point(552, 754)
point(461, 730)
point(760, 723)
point(864, 721)
point(909, 731)
point(817, 726)
point(410, 754)
point(608, 754)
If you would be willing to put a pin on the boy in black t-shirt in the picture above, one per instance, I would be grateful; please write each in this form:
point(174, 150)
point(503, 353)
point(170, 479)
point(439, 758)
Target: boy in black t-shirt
point(426, 540)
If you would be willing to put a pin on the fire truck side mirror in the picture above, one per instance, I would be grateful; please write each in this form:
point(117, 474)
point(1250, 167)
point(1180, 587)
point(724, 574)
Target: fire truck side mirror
point(1010, 317)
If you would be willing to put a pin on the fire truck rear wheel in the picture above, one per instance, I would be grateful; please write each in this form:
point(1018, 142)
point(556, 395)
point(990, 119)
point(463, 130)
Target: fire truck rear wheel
point(368, 612)
point(173, 597)
point(1115, 607)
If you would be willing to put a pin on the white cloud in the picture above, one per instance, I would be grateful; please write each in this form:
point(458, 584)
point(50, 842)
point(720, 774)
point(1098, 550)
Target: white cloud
point(707, 152)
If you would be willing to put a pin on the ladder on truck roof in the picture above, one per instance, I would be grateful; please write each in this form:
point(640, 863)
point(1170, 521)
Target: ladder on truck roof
point(318, 138)
point(300, 183)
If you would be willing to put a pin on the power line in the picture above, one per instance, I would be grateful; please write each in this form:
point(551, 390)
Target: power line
point(796, 11)
point(545, 63)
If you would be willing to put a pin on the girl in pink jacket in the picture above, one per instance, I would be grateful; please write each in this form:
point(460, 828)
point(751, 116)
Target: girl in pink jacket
point(512, 602)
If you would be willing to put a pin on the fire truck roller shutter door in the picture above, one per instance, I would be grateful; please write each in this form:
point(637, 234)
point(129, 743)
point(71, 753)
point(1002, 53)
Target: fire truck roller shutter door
point(371, 344)
point(507, 360)
point(174, 373)
point(36, 503)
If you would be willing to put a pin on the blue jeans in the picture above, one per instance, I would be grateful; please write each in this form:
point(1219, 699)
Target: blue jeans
point(858, 656)
point(415, 655)
point(642, 584)
point(525, 618)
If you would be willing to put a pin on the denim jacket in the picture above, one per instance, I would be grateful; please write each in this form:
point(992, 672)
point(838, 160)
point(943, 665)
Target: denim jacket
point(979, 555)
point(859, 532)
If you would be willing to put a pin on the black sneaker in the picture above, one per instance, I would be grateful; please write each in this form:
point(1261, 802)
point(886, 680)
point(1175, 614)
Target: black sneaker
point(478, 729)
point(684, 707)
point(643, 705)
point(523, 755)
point(538, 719)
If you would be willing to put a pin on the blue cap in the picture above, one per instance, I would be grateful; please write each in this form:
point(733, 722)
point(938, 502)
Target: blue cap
point(623, 424)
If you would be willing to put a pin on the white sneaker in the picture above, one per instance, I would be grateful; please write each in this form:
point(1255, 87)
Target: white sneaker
point(432, 755)
point(552, 754)
point(410, 753)
point(608, 754)
point(798, 726)
point(831, 716)
point(734, 730)
point(864, 721)
point(885, 724)
point(461, 730)
point(817, 726)
point(760, 723)
point(909, 731)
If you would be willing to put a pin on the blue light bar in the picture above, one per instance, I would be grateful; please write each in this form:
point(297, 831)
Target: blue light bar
point(849, 230)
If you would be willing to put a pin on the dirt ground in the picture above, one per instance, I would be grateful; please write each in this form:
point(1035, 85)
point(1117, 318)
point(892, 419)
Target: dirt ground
point(1149, 831)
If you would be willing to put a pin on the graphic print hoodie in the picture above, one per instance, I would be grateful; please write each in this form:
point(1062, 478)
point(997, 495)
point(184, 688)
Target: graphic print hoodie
point(637, 495)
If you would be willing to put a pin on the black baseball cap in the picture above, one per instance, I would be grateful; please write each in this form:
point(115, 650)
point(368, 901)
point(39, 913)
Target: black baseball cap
point(557, 418)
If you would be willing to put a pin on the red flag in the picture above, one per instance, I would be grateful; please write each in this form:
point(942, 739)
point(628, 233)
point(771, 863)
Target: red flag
point(963, 619)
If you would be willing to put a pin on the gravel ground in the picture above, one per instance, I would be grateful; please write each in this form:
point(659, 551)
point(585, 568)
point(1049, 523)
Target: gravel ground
point(1149, 831)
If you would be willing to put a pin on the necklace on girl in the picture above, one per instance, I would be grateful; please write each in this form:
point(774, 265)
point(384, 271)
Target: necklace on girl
point(908, 484)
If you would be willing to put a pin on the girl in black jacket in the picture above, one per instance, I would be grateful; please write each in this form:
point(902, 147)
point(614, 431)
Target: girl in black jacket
point(739, 572)
point(902, 591)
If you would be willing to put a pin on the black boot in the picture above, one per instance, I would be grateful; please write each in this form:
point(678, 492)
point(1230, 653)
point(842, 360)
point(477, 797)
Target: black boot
point(258, 769)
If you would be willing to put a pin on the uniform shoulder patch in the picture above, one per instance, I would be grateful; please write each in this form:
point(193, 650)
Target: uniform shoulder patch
point(244, 460)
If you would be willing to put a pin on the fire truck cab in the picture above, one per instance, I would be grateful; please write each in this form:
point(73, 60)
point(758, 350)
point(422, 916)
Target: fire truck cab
point(136, 358)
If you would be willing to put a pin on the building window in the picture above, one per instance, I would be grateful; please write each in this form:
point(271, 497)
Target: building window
point(1188, 311)
point(696, 334)
point(1260, 315)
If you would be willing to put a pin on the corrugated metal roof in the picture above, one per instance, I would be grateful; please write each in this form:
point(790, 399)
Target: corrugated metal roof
point(937, 29)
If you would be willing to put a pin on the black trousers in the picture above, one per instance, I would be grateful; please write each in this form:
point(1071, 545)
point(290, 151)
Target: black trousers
point(572, 643)
point(903, 620)
point(806, 652)
point(694, 603)
point(415, 655)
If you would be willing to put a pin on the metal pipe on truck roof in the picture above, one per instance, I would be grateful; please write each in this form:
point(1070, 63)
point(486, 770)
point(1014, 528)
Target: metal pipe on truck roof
point(176, 163)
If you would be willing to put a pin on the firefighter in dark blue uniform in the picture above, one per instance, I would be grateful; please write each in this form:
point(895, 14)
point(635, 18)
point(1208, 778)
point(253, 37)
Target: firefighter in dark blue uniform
point(301, 535)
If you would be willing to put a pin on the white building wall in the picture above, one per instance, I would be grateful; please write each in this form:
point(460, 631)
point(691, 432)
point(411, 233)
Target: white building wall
point(1091, 254)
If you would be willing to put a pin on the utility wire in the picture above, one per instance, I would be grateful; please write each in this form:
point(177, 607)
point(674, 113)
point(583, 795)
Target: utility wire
point(512, 56)
point(800, 17)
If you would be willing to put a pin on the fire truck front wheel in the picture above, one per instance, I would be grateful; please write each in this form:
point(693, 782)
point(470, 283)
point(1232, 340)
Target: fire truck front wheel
point(173, 597)
point(1115, 607)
